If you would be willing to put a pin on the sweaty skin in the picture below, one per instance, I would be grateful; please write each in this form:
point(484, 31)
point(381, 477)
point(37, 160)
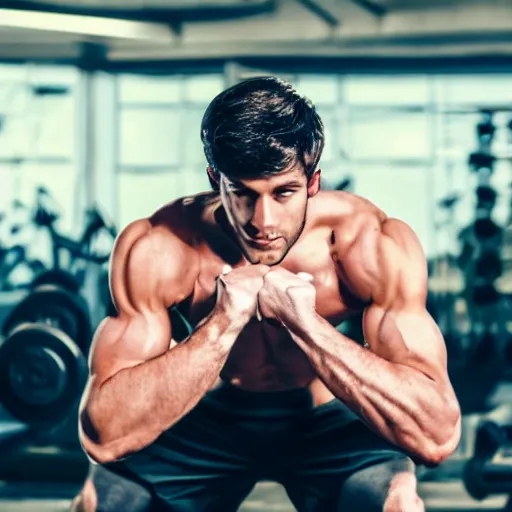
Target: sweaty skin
point(359, 260)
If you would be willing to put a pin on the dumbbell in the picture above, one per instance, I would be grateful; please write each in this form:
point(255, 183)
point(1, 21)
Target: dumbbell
point(43, 367)
point(54, 299)
point(481, 477)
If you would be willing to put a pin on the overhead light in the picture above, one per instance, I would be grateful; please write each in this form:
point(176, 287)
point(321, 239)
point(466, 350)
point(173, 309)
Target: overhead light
point(91, 26)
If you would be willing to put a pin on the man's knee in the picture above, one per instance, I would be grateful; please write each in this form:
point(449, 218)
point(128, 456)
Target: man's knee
point(87, 500)
point(105, 491)
point(369, 489)
point(402, 495)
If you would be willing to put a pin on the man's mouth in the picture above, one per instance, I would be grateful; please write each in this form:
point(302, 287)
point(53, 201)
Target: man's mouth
point(263, 243)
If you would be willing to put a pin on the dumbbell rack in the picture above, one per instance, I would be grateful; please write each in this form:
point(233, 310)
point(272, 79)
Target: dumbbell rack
point(481, 352)
point(489, 470)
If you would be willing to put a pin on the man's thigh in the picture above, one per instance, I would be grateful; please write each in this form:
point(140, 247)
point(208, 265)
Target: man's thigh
point(364, 490)
point(106, 491)
point(199, 464)
point(340, 466)
point(368, 490)
point(109, 491)
point(186, 478)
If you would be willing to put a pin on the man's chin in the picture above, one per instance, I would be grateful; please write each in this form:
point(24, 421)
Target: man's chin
point(261, 257)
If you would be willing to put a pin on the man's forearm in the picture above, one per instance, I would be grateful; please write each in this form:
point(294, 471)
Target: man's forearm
point(130, 410)
point(400, 403)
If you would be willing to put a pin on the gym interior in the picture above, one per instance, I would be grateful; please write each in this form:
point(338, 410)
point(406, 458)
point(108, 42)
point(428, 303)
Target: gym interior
point(100, 111)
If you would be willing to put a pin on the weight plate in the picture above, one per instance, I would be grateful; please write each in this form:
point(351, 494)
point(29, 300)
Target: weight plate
point(37, 375)
point(55, 306)
point(56, 277)
point(42, 374)
point(472, 479)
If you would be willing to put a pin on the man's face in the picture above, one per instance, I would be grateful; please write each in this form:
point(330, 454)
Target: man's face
point(268, 214)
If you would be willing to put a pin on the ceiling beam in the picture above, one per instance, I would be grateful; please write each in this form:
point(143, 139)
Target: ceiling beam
point(372, 7)
point(325, 15)
point(165, 14)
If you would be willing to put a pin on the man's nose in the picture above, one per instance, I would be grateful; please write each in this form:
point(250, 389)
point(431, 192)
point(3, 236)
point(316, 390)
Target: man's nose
point(264, 218)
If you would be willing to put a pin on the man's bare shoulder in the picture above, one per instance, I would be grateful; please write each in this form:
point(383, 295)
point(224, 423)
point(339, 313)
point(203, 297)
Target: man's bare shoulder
point(346, 213)
point(159, 251)
point(185, 216)
point(367, 244)
point(174, 226)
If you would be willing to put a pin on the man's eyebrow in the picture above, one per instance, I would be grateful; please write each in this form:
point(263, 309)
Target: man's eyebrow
point(242, 186)
point(293, 183)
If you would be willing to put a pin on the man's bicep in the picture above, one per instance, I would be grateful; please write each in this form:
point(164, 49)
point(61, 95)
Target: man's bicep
point(127, 341)
point(141, 329)
point(409, 337)
point(397, 324)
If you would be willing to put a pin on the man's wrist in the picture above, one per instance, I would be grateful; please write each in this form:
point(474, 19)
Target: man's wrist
point(306, 324)
point(231, 321)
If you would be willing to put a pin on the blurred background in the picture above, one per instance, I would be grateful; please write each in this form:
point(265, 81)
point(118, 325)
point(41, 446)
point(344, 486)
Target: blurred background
point(100, 110)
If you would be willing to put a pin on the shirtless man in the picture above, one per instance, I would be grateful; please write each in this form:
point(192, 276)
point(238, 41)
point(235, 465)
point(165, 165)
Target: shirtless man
point(265, 387)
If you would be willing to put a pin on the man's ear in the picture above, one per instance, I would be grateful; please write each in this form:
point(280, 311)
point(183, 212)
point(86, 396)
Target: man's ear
point(314, 183)
point(214, 182)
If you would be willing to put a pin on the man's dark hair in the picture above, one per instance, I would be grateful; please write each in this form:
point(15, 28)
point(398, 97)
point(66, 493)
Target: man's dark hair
point(260, 127)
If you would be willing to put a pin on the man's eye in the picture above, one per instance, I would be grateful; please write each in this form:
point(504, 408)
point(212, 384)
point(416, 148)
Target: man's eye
point(285, 193)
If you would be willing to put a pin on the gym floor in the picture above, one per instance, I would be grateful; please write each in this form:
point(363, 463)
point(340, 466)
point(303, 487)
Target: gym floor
point(266, 497)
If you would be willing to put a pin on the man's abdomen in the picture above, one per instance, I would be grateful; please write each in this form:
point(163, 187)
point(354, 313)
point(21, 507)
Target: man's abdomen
point(266, 359)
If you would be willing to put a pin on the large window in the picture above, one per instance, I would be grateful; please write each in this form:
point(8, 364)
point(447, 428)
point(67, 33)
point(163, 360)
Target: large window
point(160, 156)
point(38, 137)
